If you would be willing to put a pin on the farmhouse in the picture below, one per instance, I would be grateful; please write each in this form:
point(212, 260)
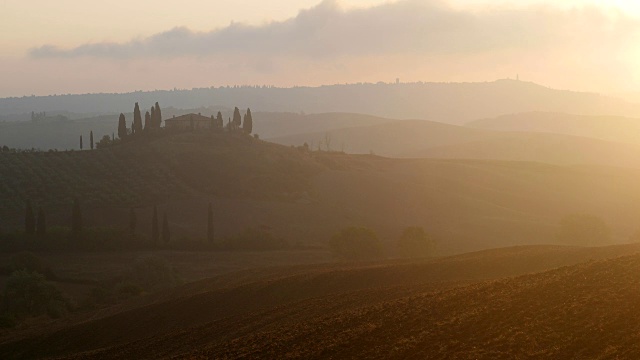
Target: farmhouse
point(189, 121)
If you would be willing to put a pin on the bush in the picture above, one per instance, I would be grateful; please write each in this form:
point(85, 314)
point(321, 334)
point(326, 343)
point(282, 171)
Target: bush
point(356, 243)
point(31, 263)
point(154, 273)
point(255, 239)
point(583, 230)
point(415, 242)
point(28, 293)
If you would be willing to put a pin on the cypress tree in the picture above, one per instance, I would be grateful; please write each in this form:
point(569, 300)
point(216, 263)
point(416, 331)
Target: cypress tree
point(136, 127)
point(122, 127)
point(152, 119)
point(155, 234)
point(41, 227)
point(166, 235)
point(76, 218)
point(147, 120)
point(219, 120)
point(237, 118)
point(210, 229)
point(158, 113)
point(80, 142)
point(29, 220)
point(91, 139)
point(133, 222)
point(247, 126)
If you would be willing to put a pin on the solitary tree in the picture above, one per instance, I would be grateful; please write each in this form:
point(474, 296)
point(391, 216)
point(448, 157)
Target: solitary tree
point(415, 242)
point(237, 119)
point(122, 127)
point(155, 233)
point(80, 142)
point(76, 218)
point(166, 235)
point(210, 229)
point(158, 113)
point(91, 139)
point(133, 222)
point(41, 226)
point(147, 120)
point(247, 126)
point(29, 220)
point(136, 127)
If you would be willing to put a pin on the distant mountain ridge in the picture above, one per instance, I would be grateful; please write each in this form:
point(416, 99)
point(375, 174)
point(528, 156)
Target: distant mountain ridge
point(455, 103)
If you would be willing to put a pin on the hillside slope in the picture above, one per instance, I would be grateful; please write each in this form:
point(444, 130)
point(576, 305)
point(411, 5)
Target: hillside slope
point(455, 103)
point(418, 138)
point(306, 197)
point(585, 311)
point(612, 128)
point(244, 306)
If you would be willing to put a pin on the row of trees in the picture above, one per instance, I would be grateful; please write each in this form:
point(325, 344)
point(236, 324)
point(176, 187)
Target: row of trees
point(152, 120)
point(237, 123)
point(37, 226)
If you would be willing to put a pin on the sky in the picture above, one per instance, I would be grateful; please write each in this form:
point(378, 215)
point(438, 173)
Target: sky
point(77, 46)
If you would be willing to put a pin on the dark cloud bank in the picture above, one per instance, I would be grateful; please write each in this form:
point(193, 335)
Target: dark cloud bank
point(410, 26)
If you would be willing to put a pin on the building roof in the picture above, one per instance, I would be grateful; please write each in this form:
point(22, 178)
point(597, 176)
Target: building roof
point(189, 117)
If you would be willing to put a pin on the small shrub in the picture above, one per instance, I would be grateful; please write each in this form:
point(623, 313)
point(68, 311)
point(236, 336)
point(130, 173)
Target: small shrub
point(356, 243)
point(28, 293)
point(31, 263)
point(415, 242)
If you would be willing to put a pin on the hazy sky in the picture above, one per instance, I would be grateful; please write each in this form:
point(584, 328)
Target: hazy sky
point(77, 46)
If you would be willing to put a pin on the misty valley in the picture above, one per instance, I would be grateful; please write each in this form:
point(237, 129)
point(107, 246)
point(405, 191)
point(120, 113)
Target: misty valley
point(319, 180)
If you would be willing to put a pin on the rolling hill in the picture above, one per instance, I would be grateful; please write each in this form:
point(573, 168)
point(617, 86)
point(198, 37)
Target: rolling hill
point(446, 308)
point(306, 197)
point(611, 128)
point(420, 139)
point(455, 103)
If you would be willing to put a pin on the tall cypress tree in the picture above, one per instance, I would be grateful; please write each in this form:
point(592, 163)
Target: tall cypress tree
point(166, 235)
point(158, 113)
point(76, 218)
point(155, 233)
point(41, 226)
point(237, 119)
point(219, 120)
point(210, 229)
point(247, 126)
point(133, 222)
point(153, 120)
point(122, 127)
point(147, 120)
point(29, 220)
point(80, 142)
point(91, 139)
point(136, 127)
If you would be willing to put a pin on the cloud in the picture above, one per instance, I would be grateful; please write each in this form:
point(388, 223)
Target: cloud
point(405, 27)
